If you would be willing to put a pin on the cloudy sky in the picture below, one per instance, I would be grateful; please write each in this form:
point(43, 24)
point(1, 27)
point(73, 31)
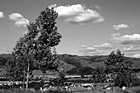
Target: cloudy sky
point(88, 27)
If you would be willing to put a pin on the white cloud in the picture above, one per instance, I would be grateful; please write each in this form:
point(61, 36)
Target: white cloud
point(126, 39)
point(15, 16)
point(83, 46)
point(132, 49)
point(136, 55)
point(1, 14)
point(96, 49)
point(131, 37)
point(19, 19)
point(22, 22)
point(90, 48)
point(97, 52)
point(120, 26)
point(104, 46)
point(91, 51)
point(115, 35)
point(78, 14)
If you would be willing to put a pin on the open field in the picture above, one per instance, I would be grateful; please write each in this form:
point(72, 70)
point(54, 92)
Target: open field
point(76, 88)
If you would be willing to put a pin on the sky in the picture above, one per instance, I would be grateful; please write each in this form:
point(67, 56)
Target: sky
point(88, 27)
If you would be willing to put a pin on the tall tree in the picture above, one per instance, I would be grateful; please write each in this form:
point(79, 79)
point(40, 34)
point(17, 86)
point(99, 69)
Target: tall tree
point(120, 68)
point(34, 49)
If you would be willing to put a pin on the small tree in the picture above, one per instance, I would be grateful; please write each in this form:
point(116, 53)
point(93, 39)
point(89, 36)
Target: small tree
point(34, 50)
point(120, 68)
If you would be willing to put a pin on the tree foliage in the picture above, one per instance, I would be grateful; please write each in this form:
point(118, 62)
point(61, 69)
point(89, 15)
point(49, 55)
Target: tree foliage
point(34, 49)
point(120, 68)
point(15, 71)
point(99, 75)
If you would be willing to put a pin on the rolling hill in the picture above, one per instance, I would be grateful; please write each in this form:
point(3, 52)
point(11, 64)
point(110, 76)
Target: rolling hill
point(74, 64)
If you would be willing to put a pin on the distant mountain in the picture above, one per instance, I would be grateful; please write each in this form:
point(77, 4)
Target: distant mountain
point(74, 64)
point(5, 55)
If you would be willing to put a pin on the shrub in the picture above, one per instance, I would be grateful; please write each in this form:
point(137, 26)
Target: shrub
point(136, 82)
point(125, 91)
point(138, 91)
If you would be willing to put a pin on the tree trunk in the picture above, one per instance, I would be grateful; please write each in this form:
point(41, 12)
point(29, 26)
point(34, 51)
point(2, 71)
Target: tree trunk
point(27, 78)
point(24, 80)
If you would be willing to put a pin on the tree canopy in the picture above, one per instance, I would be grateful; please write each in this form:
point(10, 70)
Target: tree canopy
point(120, 67)
point(34, 49)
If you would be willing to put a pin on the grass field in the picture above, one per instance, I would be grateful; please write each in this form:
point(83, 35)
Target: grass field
point(81, 90)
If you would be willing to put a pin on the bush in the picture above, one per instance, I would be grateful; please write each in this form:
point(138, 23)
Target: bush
point(125, 91)
point(138, 91)
point(136, 82)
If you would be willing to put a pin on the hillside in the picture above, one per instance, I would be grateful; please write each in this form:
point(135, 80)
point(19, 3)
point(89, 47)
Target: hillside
point(85, 64)
point(74, 64)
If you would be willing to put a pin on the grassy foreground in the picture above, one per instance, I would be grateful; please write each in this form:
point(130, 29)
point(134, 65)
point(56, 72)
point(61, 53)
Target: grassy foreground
point(78, 90)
